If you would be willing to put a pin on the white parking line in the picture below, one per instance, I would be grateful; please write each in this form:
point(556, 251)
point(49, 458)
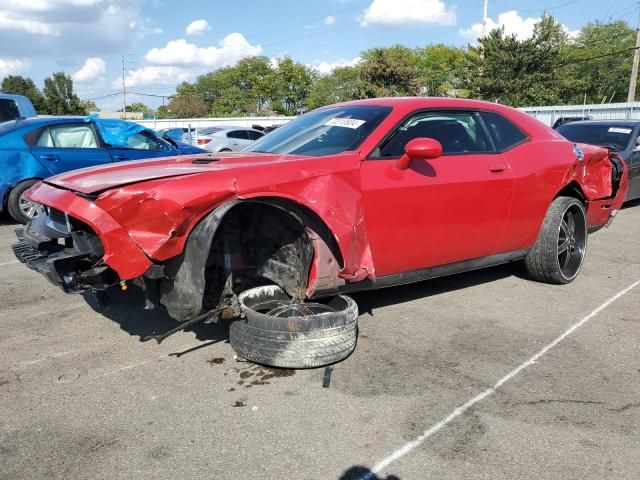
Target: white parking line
point(405, 449)
point(9, 263)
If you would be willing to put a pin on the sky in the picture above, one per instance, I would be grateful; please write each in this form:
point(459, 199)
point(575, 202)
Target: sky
point(166, 42)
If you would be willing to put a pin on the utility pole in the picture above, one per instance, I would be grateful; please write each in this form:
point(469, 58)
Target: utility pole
point(636, 60)
point(485, 15)
point(124, 92)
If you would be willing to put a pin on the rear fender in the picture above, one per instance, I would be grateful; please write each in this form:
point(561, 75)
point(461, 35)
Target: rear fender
point(602, 176)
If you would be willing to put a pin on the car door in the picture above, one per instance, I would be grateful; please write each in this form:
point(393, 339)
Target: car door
point(634, 170)
point(439, 211)
point(141, 145)
point(63, 147)
point(238, 139)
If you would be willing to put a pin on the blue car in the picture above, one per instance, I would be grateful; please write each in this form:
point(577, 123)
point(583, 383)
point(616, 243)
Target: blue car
point(32, 149)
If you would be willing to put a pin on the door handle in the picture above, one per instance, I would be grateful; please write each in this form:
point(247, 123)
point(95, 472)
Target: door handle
point(497, 167)
point(120, 157)
point(49, 157)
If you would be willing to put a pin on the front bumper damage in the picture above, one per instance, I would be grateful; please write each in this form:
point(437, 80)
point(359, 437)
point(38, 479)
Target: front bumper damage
point(65, 251)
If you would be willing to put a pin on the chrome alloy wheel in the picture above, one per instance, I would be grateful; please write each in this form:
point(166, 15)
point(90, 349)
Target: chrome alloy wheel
point(572, 241)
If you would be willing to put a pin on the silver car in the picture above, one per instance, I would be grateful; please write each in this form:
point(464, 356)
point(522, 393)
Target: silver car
point(226, 139)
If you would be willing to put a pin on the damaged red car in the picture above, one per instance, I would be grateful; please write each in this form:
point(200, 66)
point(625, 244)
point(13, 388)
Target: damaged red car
point(359, 195)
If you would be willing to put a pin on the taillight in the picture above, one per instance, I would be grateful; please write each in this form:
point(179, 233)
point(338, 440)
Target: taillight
point(203, 141)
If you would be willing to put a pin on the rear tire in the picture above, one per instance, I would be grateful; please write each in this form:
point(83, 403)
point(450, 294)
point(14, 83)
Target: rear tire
point(559, 251)
point(20, 209)
point(291, 334)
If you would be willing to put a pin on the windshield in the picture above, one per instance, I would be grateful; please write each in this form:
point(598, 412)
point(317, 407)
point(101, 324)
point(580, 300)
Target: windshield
point(614, 137)
point(323, 132)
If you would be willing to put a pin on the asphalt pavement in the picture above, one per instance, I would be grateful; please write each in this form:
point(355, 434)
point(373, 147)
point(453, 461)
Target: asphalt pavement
point(82, 397)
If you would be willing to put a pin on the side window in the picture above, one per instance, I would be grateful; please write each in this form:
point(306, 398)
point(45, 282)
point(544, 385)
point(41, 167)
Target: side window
point(240, 134)
point(68, 136)
point(139, 141)
point(458, 132)
point(505, 134)
point(254, 135)
point(8, 110)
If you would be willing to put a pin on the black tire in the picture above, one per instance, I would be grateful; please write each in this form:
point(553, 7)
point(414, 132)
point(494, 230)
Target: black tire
point(293, 340)
point(224, 150)
point(15, 199)
point(559, 252)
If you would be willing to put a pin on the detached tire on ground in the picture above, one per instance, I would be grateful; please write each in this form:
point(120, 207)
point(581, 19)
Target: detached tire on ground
point(559, 251)
point(279, 332)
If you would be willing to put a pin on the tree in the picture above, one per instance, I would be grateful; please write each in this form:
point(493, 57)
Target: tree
point(599, 61)
point(19, 85)
point(187, 106)
point(443, 70)
point(138, 107)
point(390, 72)
point(293, 84)
point(59, 97)
point(522, 72)
point(342, 85)
point(88, 106)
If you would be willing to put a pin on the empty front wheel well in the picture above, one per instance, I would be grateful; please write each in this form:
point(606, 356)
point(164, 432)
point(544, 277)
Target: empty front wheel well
point(265, 240)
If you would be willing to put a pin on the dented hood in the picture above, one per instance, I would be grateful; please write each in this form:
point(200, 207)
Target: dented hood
point(98, 179)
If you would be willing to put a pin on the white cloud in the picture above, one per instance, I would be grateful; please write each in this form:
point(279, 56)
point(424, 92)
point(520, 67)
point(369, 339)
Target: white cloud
point(325, 67)
point(180, 52)
point(93, 68)
point(511, 21)
point(12, 66)
point(181, 60)
point(403, 12)
point(84, 27)
point(330, 20)
point(513, 24)
point(197, 27)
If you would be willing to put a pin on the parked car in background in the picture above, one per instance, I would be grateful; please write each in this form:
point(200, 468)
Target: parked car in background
point(226, 139)
point(563, 120)
point(620, 136)
point(36, 148)
point(13, 107)
point(355, 196)
point(178, 134)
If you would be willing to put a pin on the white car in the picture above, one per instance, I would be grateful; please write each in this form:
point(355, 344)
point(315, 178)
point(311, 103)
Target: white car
point(226, 139)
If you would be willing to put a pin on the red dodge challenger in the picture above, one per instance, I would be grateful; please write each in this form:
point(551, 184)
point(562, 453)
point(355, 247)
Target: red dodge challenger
point(359, 195)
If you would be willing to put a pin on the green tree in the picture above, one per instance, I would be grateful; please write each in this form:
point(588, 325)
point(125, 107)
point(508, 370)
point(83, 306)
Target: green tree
point(19, 85)
point(522, 72)
point(293, 84)
point(599, 61)
point(187, 106)
point(138, 107)
point(443, 70)
point(390, 72)
point(59, 97)
point(88, 107)
point(244, 89)
point(342, 85)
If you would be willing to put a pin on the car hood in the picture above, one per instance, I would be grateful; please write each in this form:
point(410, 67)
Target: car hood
point(98, 179)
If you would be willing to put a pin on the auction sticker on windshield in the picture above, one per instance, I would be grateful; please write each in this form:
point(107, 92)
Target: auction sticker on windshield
point(619, 130)
point(345, 122)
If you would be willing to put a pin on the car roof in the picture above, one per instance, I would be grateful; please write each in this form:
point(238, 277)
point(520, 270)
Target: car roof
point(226, 128)
point(616, 123)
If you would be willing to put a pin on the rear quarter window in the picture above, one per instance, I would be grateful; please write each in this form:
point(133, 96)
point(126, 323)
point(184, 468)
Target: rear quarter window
point(505, 135)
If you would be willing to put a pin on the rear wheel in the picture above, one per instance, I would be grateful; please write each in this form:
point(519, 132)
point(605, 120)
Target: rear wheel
point(21, 209)
point(559, 251)
point(282, 332)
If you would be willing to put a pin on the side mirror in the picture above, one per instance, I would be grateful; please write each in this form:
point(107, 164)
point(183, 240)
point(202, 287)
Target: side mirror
point(421, 149)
